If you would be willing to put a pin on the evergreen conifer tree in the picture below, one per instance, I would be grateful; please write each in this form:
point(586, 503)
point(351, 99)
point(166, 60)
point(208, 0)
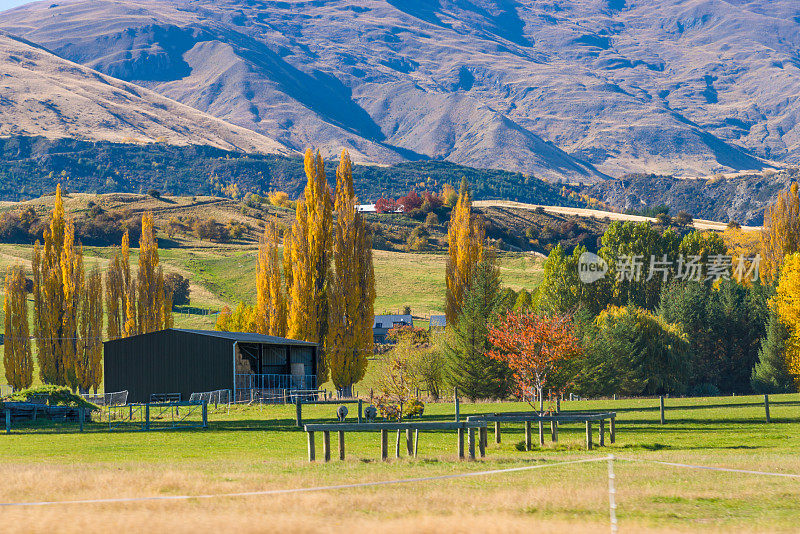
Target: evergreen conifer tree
point(770, 374)
point(477, 375)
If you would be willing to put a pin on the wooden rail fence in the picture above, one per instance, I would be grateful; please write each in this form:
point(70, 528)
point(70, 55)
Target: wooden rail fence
point(411, 429)
point(554, 420)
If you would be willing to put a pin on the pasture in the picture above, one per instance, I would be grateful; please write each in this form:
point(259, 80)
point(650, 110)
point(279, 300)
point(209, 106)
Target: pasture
point(258, 448)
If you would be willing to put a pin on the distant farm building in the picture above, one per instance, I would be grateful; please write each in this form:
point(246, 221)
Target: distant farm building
point(194, 361)
point(438, 322)
point(384, 323)
point(366, 208)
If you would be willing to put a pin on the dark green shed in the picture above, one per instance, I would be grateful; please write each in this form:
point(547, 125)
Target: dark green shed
point(194, 361)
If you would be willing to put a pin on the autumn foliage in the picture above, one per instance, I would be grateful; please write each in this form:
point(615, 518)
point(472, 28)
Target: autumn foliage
point(535, 347)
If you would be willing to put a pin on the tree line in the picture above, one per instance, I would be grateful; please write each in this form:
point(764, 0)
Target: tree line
point(719, 315)
point(69, 305)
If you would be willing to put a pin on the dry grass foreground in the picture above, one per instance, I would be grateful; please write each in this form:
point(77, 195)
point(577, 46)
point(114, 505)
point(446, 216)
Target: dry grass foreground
point(265, 453)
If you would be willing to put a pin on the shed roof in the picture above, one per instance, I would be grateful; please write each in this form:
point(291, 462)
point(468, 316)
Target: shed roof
point(392, 319)
point(243, 337)
point(438, 320)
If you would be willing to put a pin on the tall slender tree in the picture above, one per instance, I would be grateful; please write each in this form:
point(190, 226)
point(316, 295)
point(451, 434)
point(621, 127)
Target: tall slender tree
point(465, 246)
point(88, 364)
point(781, 232)
point(351, 294)
point(153, 309)
point(309, 260)
point(270, 292)
point(73, 282)
point(119, 290)
point(301, 323)
point(17, 359)
point(57, 278)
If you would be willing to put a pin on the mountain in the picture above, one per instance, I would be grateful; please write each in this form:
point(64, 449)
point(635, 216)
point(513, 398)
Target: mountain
point(44, 95)
point(581, 90)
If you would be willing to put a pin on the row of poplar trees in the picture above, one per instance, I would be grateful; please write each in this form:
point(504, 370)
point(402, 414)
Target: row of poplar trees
point(322, 289)
point(68, 306)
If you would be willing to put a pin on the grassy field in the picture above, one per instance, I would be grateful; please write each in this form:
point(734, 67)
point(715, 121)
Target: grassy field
point(257, 448)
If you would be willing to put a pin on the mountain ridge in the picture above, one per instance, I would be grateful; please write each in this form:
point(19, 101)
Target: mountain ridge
point(578, 91)
point(43, 94)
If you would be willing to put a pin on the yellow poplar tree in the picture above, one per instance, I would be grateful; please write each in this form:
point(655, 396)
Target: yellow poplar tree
point(465, 238)
point(88, 364)
point(152, 311)
point(781, 232)
point(351, 294)
point(787, 305)
point(119, 291)
point(270, 295)
point(309, 261)
point(57, 281)
point(17, 358)
point(72, 277)
point(301, 323)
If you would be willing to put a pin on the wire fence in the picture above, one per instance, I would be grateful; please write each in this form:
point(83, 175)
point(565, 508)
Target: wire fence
point(117, 398)
point(220, 399)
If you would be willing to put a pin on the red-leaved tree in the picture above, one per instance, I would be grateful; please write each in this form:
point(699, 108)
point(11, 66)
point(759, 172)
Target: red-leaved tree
point(410, 202)
point(537, 348)
point(385, 205)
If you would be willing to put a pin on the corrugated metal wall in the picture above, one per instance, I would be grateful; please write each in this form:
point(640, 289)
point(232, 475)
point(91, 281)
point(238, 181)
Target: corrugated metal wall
point(168, 362)
point(171, 361)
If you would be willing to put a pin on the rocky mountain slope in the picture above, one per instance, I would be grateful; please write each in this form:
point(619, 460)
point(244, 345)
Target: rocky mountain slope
point(579, 89)
point(44, 95)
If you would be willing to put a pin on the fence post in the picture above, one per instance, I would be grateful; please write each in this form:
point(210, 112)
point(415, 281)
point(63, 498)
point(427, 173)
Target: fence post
point(205, 415)
point(497, 431)
point(360, 410)
point(384, 444)
point(612, 491)
point(312, 453)
point(341, 444)
point(461, 443)
point(612, 430)
point(588, 435)
point(409, 443)
point(397, 445)
point(661, 404)
point(81, 417)
point(8, 421)
point(146, 416)
point(482, 441)
point(541, 434)
point(766, 406)
point(416, 441)
point(527, 435)
point(554, 431)
point(471, 441)
point(326, 445)
point(458, 407)
point(602, 432)
point(299, 412)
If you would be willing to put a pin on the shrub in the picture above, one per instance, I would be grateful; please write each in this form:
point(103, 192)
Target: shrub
point(155, 193)
point(431, 220)
point(51, 395)
point(414, 408)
